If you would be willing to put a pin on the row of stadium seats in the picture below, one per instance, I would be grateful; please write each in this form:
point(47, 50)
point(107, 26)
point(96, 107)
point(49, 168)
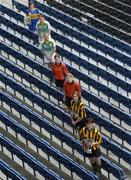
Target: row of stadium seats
point(78, 25)
point(86, 94)
point(89, 30)
point(47, 149)
point(117, 5)
point(83, 38)
point(126, 2)
point(103, 8)
point(95, 22)
point(102, 13)
point(42, 123)
point(42, 86)
point(45, 105)
point(26, 158)
point(108, 64)
point(9, 172)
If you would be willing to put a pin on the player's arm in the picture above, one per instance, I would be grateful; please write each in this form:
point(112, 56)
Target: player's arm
point(98, 140)
point(53, 49)
point(49, 27)
point(27, 18)
point(65, 69)
point(81, 114)
point(64, 93)
point(78, 88)
point(83, 139)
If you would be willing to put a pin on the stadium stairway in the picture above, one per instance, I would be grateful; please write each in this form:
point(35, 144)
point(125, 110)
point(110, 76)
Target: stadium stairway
point(19, 95)
point(128, 86)
point(13, 68)
point(40, 86)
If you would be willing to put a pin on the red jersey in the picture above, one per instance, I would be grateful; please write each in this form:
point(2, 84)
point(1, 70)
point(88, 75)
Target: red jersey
point(69, 88)
point(59, 71)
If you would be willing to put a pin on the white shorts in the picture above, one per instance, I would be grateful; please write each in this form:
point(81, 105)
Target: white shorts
point(47, 61)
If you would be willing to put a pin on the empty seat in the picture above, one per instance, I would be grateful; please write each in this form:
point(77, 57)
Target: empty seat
point(10, 172)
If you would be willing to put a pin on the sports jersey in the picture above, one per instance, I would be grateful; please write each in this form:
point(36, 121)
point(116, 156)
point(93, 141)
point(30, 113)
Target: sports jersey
point(59, 71)
point(70, 88)
point(32, 16)
point(47, 47)
point(92, 136)
point(43, 27)
point(78, 110)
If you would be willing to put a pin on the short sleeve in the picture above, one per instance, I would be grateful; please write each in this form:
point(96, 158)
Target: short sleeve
point(48, 24)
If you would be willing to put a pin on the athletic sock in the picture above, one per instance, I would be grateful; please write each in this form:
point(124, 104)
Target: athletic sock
point(94, 167)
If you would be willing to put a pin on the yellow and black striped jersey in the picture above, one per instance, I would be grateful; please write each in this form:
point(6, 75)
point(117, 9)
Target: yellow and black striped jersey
point(78, 110)
point(92, 136)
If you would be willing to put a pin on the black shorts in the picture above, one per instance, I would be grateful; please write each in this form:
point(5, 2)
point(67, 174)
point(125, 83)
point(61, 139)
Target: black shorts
point(59, 83)
point(94, 153)
point(80, 124)
point(68, 101)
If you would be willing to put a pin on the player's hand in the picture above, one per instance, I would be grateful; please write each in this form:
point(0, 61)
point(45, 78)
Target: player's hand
point(73, 122)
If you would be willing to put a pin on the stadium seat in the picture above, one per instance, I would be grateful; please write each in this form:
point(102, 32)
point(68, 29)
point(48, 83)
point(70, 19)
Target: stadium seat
point(9, 172)
point(27, 158)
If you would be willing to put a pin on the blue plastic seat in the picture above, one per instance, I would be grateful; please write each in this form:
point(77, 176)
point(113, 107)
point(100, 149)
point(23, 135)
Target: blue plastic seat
point(27, 158)
point(10, 172)
point(117, 172)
